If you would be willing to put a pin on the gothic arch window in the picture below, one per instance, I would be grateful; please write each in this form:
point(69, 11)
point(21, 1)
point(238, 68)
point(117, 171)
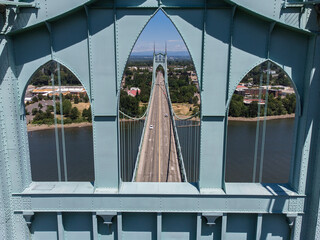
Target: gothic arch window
point(261, 127)
point(58, 116)
point(180, 86)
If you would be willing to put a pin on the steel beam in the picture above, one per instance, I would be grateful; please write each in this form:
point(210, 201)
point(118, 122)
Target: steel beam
point(21, 4)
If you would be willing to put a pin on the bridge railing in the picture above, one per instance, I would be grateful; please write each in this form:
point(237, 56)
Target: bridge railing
point(176, 136)
point(189, 130)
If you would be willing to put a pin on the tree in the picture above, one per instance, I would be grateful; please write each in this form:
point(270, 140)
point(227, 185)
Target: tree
point(40, 106)
point(89, 115)
point(50, 108)
point(34, 111)
point(253, 109)
point(66, 105)
point(38, 117)
point(76, 100)
point(86, 113)
point(35, 99)
point(74, 113)
point(86, 98)
point(68, 96)
point(289, 103)
point(128, 104)
point(48, 114)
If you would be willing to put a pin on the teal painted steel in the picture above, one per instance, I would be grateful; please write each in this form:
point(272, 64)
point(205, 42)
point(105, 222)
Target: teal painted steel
point(226, 39)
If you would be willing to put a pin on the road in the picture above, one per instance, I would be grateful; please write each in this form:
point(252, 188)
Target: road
point(158, 160)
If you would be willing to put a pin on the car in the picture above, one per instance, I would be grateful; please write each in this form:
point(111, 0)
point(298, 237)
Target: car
point(151, 127)
point(166, 115)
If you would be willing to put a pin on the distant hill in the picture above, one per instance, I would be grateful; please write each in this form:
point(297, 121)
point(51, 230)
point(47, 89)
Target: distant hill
point(170, 54)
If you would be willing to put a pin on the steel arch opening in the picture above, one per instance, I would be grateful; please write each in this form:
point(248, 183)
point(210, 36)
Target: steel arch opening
point(59, 123)
point(261, 127)
point(155, 57)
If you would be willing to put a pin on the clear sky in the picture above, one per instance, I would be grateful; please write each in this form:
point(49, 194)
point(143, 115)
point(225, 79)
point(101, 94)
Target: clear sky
point(160, 30)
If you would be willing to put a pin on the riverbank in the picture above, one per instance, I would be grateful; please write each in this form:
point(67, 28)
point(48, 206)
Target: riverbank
point(243, 119)
point(33, 127)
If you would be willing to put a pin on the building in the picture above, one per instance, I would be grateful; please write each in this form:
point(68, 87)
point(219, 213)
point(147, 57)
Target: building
point(241, 90)
point(48, 90)
point(249, 101)
point(134, 91)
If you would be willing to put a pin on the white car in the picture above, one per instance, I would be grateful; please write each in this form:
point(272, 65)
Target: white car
point(151, 127)
point(166, 115)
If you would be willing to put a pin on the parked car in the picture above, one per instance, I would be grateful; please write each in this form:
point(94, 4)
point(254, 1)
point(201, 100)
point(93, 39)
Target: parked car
point(151, 127)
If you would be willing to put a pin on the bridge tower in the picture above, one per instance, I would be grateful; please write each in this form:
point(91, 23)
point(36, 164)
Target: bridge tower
point(161, 144)
point(94, 38)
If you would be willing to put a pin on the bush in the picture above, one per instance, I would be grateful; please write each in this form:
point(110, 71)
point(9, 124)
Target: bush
point(34, 111)
point(50, 108)
point(67, 121)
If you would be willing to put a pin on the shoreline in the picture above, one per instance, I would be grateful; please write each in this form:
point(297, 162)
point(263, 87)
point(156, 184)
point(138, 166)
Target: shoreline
point(32, 127)
point(243, 119)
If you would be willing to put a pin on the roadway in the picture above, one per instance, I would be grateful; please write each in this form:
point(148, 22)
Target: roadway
point(159, 160)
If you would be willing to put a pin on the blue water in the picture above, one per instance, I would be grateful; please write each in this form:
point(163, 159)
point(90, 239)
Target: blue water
point(239, 154)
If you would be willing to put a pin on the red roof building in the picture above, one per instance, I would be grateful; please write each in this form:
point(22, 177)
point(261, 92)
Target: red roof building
point(134, 91)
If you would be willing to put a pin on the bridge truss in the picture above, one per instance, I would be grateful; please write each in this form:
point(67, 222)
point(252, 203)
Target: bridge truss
point(93, 38)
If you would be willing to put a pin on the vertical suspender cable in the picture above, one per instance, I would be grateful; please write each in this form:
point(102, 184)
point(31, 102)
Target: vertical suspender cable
point(257, 129)
point(121, 147)
point(56, 128)
point(130, 144)
point(190, 145)
point(264, 123)
point(62, 127)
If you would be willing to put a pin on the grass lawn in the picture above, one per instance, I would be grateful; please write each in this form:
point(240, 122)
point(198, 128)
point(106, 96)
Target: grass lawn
point(81, 106)
point(182, 109)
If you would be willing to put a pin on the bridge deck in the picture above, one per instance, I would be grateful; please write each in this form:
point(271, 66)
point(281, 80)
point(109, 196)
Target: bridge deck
point(159, 160)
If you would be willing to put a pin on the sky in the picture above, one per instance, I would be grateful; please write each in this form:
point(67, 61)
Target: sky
point(159, 30)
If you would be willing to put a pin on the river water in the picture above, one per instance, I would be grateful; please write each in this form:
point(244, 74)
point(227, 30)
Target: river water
point(240, 153)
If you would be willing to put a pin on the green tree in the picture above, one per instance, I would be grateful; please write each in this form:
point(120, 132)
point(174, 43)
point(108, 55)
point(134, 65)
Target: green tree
point(76, 100)
point(68, 96)
point(34, 111)
point(128, 104)
point(74, 114)
point(289, 103)
point(35, 99)
point(40, 96)
point(50, 108)
point(86, 98)
point(66, 105)
point(86, 114)
point(253, 110)
point(89, 115)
